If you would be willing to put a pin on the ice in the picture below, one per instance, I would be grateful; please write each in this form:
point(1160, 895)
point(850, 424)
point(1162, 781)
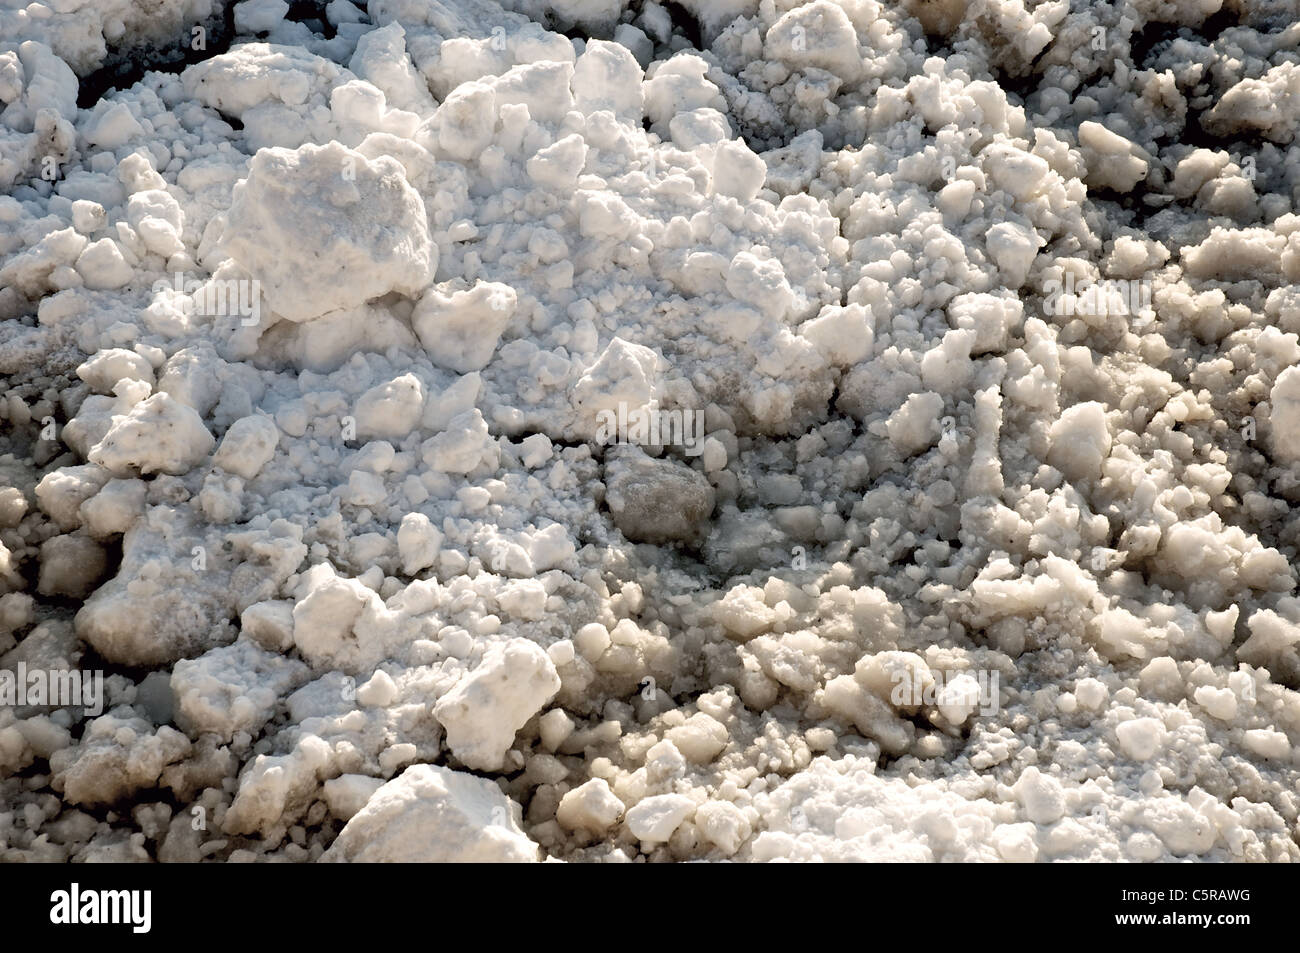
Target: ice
point(589, 431)
point(433, 814)
point(159, 435)
point(488, 706)
point(365, 227)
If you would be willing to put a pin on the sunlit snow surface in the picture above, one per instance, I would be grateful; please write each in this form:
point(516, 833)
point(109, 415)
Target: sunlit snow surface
point(740, 430)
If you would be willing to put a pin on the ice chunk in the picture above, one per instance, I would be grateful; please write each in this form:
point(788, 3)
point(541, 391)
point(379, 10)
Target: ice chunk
point(464, 123)
point(248, 446)
point(816, 35)
point(347, 794)
point(559, 164)
point(654, 819)
point(159, 435)
point(545, 87)
point(460, 330)
point(325, 621)
point(993, 318)
point(624, 374)
point(1269, 105)
point(115, 508)
point(737, 171)
point(1140, 738)
point(1284, 399)
point(1080, 441)
point(105, 369)
point(1041, 796)
point(1013, 248)
point(118, 755)
point(462, 446)
point(843, 333)
point(487, 706)
point(256, 74)
point(591, 806)
point(70, 566)
point(358, 229)
point(723, 824)
point(418, 542)
point(381, 59)
point(102, 265)
point(1113, 162)
point(762, 283)
point(678, 85)
point(656, 501)
point(606, 76)
point(915, 425)
point(269, 624)
point(699, 127)
point(1235, 254)
point(431, 814)
point(259, 16)
point(233, 688)
point(391, 410)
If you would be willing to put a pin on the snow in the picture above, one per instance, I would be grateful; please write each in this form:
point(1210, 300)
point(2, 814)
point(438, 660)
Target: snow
point(159, 435)
point(656, 500)
point(102, 265)
point(654, 819)
point(119, 755)
point(1140, 738)
point(248, 446)
point(103, 371)
point(231, 689)
point(418, 541)
point(977, 538)
point(433, 814)
point(487, 707)
point(1284, 400)
point(1080, 441)
point(369, 228)
point(460, 330)
point(591, 806)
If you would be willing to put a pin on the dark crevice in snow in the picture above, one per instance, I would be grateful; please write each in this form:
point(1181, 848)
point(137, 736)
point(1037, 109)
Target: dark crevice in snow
point(685, 24)
point(92, 661)
point(311, 13)
point(125, 72)
point(1153, 38)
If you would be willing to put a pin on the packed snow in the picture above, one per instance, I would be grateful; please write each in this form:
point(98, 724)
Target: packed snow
point(590, 430)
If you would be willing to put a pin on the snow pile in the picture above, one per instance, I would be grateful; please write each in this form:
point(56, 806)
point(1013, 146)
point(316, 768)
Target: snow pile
point(820, 430)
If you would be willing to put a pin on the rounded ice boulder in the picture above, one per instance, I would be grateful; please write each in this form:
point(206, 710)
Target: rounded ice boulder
point(431, 814)
point(323, 228)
